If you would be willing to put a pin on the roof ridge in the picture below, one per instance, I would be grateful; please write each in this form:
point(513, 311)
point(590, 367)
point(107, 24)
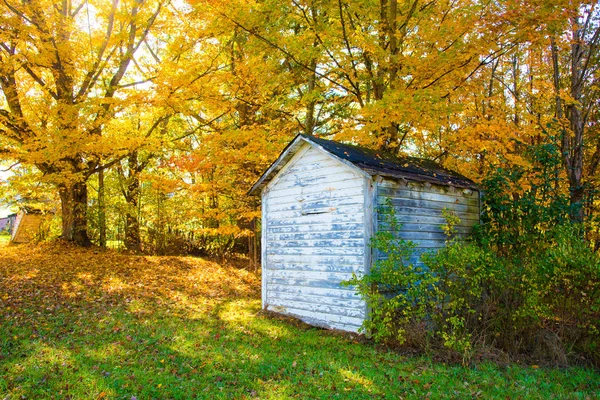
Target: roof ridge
point(386, 162)
point(371, 162)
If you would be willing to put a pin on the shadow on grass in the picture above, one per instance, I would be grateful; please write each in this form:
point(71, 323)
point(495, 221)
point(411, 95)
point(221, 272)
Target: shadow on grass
point(84, 324)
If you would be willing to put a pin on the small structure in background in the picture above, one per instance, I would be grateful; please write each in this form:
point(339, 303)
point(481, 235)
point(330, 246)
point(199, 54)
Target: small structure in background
point(320, 202)
point(28, 226)
point(7, 223)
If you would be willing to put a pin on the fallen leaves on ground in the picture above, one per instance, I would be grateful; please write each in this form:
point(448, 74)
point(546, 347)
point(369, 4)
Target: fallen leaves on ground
point(35, 280)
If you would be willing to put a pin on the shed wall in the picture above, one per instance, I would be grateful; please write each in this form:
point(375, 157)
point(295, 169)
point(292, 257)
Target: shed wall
point(418, 207)
point(27, 226)
point(314, 238)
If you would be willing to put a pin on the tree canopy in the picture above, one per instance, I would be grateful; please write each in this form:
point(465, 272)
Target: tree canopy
point(152, 118)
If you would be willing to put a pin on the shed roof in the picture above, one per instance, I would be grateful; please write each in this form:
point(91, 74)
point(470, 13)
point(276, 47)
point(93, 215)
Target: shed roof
point(371, 162)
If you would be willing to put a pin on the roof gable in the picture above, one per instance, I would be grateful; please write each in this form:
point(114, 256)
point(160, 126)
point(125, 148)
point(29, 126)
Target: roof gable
point(370, 162)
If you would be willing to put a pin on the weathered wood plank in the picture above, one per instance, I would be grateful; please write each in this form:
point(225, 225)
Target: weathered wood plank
point(323, 195)
point(429, 204)
point(420, 235)
point(342, 259)
point(338, 293)
point(315, 228)
point(303, 180)
point(327, 318)
point(310, 219)
point(309, 275)
point(355, 303)
point(311, 163)
point(433, 228)
point(330, 243)
point(312, 156)
point(416, 254)
point(328, 309)
point(318, 205)
point(388, 187)
point(427, 212)
point(263, 251)
point(426, 219)
point(319, 235)
point(427, 196)
point(323, 267)
point(331, 186)
point(352, 209)
point(432, 244)
point(314, 283)
point(308, 251)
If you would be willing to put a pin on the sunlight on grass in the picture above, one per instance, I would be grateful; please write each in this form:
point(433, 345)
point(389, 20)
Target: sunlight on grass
point(115, 244)
point(113, 284)
point(355, 378)
point(4, 240)
point(239, 311)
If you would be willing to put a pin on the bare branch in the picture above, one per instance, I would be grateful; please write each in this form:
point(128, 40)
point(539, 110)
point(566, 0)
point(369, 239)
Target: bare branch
point(282, 50)
point(10, 167)
point(126, 85)
point(96, 70)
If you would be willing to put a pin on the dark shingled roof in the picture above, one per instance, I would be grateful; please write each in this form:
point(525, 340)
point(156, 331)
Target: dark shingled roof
point(375, 163)
point(385, 164)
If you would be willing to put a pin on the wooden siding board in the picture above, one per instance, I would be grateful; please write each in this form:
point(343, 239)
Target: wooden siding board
point(307, 242)
point(335, 293)
point(314, 239)
point(354, 303)
point(299, 153)
point(426, 219)
point(319, 251)
point(317, 267)
point(316, 228)
point(311, 163)
point(308, 305)
point(370, 229)
point(309, 275)
point(263, 239)
point(468, 217)
point(325, 204)
point(428, 196)
point(300, 181)
point(315, 283)
point(334, 185)
point(345, 234)
point(328, 320)
point(316, 259)
point(387, 187)
point(326, 218)
point(419, 208)
point(328, 193)
point(430, 204)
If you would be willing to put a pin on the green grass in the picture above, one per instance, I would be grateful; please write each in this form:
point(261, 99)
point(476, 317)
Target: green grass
point(4, 239)
point(78, 324)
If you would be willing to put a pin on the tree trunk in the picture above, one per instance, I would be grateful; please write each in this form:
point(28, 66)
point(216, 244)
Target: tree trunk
point(309, 124)
point(583, 52)
point(73, 200)
point(132, 197)
point(101, 209)
point(132, 223)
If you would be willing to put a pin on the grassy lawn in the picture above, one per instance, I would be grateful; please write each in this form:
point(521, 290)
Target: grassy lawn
point(93, 325)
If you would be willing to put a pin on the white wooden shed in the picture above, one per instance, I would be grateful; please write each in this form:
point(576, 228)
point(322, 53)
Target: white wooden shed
point(319, 210)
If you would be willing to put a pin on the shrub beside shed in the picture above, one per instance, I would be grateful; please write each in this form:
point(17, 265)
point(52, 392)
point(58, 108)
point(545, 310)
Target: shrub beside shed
point(320, 202)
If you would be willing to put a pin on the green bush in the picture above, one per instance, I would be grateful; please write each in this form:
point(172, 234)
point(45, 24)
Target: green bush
point(396, 291)
point(526, 283)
